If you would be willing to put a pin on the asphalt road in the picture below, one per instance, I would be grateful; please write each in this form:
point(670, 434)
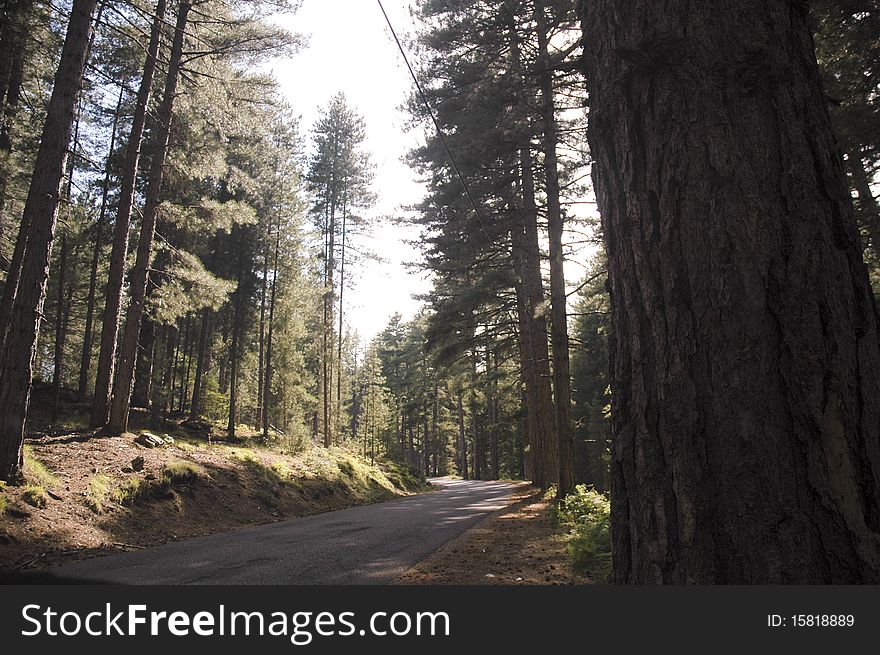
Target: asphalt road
point(373, 544)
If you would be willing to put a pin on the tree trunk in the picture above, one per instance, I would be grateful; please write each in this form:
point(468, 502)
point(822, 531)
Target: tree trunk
point(60, 326)
point(264, 287)
point(558, 293)
point(525, 240)
point(267, 381)
point(492, 402)
point(40, 214)
point(237, 319)
point(195, 410)
point(118, 422)
point(13, 50)
point(88, 335)
point(161, 395)
point(143, 377)
point(744, 352)
point(115, 278)
point(462, 441)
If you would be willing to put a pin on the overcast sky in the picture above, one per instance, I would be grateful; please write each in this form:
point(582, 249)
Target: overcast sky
point(350, 49)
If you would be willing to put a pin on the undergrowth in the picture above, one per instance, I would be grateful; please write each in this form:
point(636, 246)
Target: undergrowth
point(586, 514)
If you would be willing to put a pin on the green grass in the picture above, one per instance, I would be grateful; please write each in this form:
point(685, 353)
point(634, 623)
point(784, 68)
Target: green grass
point(4, 503)
point(98, 491)
point(176, 472)
point(35, 495)
point(181, 471)
point(36, 472)
point(130, 491)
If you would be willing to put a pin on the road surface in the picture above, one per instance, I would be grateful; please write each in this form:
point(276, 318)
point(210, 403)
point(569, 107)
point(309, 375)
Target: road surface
point(373, 544)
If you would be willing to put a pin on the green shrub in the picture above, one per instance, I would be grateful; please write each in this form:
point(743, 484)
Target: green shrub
point(587, 515)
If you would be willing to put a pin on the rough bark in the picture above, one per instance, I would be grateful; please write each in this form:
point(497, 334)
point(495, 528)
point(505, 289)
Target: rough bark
point(41, 214)
point(744, 353)
point(118, 422)
point(113, 294)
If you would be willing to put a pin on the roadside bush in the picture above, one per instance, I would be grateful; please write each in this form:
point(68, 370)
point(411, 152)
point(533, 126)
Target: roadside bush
point(587, 515)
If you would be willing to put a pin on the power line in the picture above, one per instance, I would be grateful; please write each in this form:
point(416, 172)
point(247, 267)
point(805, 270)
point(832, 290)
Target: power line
point(440, 133)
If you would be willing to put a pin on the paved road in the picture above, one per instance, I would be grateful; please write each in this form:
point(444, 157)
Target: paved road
point(361, 545)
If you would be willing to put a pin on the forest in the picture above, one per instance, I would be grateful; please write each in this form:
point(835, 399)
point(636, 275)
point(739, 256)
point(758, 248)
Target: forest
point(176, 249)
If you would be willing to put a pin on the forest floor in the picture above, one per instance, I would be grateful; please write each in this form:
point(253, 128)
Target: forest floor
point(520, 545)
point(88, 495)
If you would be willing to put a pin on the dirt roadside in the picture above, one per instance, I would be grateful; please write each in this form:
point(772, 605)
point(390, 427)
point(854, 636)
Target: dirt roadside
point(519, 545)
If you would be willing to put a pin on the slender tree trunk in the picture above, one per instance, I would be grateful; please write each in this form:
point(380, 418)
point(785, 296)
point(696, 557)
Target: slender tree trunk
point(88, 335)
point(341, 310)
point(104, 375)
point(118, 422)
point(258, 423)
point(10, 286)
point(237, 320)
point(60, 327)
point(267, 382)
point(195, 410)
point(161, 386)
point(13, 51)
point(188, 354)
point(143, 378)
point(744, 347)
point(533, 322)
point(40, 214)
point(462, 441)
point(558, 294)
point(492, 401)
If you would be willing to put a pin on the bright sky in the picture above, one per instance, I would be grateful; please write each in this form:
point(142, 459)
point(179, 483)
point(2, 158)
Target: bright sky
point(351, 50)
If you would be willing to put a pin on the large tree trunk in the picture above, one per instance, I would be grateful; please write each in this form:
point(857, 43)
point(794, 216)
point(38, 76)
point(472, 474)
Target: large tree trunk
point(118, 422)
point(115, 278)
point(41, 214)
point(744, 354)
point(558, 294)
